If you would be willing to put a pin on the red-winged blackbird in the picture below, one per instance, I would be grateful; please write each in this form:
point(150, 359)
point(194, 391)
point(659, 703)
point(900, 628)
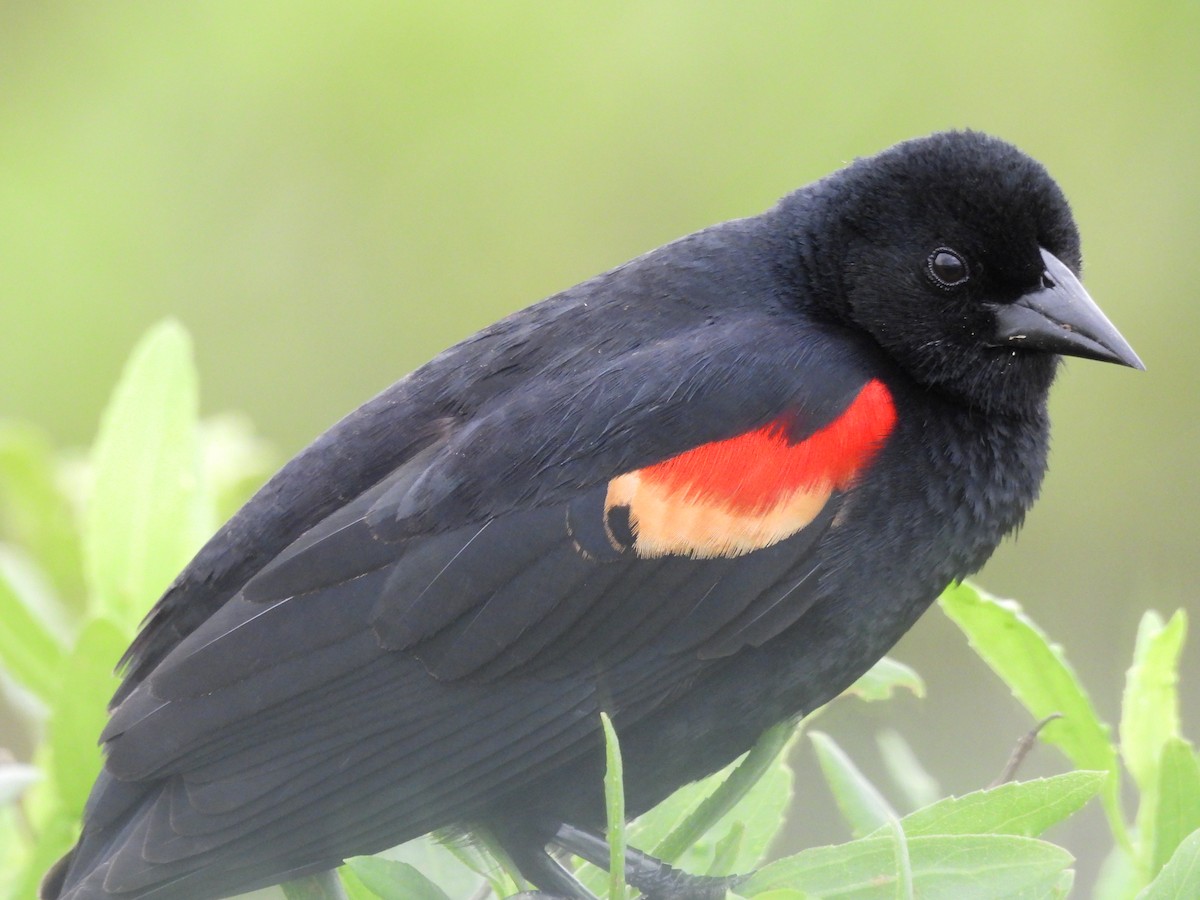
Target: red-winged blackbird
point(703, 491)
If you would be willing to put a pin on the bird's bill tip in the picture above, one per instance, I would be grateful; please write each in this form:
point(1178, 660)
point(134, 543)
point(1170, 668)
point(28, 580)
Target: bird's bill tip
point(1060, 317)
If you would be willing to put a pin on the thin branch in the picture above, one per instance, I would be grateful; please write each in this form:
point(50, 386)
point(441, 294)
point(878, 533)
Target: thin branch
point(1024, 745)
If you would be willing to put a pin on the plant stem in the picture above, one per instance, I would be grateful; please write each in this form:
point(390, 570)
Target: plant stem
point(725, 797)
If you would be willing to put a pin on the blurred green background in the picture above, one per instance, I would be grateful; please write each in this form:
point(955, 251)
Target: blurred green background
point(328, 194)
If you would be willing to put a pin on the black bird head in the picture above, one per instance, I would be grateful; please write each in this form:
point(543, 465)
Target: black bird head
point(959, 255)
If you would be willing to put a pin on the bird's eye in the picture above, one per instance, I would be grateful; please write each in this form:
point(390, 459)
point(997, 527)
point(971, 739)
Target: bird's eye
point(947, 268)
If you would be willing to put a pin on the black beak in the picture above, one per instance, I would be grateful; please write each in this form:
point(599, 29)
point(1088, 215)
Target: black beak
point(1060, 317)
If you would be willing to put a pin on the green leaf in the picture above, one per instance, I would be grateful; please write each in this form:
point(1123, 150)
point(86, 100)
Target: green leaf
point(146, 514)
point(1020, 808)
point(762, 812)
point(455, 868)
point(1177, 812)
point(393, 880)
point(13, 846)
point(1038, 675)
point(651, 828)
point(29, 650)
point(759, 810)
point(614, 805)
point(727, 850)
point(1119, 877)
point(944, 867)
point(884, 678)
point(1062, 888)
point(1150, 706)
point(53, 840)
point(35, 512)
point(80, 711)
point(751, 826)
point(860, 802)
point(904, 873)
point(482, 856)
point(353, 886)
point(1149, 718)
point(1180, 877)
point(913, 779)
point(728, 794)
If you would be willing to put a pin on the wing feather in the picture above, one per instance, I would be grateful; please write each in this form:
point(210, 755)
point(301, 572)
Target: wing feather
point(431, 646)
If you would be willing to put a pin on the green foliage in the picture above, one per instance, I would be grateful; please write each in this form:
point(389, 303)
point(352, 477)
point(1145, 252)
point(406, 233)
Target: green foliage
point(78, 713)
point(883, 679)
point(1176, 804)
point(912, 780)
point(392, 880)
point(1180, 877)
point(614, 800)
point(1150, 708)
point(30, 651)
point(146, 514)
point(862, 805)
point(942, 866)
point(81, 558)
point(1024, 809)
point(722, 824)
point(1161, 763)
point(1039, 676)
point(35, 513)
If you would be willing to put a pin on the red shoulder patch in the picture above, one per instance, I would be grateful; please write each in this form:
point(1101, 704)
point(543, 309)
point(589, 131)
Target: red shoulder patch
point(749, 471)
point(733, 496)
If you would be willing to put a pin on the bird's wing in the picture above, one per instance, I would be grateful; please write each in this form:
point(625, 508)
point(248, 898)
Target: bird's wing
point(583, 520)
point(533, 352)
point(594, 541)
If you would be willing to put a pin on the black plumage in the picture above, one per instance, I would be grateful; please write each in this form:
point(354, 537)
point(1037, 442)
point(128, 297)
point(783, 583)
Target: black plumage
point(703, 491)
